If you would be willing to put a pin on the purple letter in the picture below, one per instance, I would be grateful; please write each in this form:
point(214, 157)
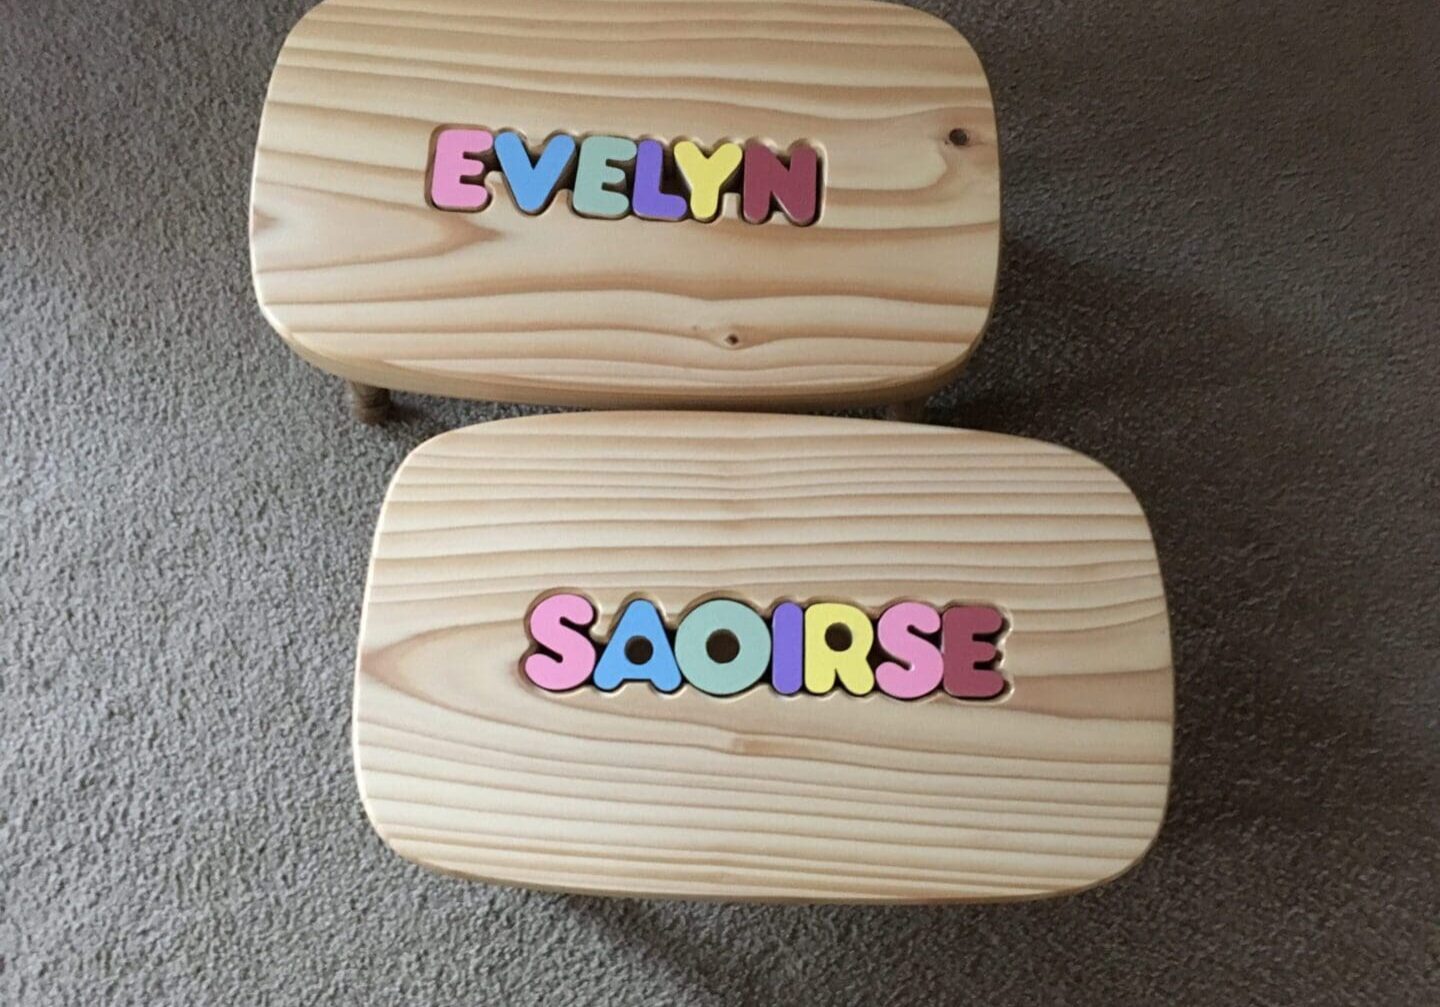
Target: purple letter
point(787, 651)
point(648, 200)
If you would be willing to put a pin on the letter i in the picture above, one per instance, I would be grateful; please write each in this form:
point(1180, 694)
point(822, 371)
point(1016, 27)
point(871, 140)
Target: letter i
point(787, 653)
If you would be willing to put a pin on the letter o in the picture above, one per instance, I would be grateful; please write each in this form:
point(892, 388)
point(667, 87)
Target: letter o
point(725, 678)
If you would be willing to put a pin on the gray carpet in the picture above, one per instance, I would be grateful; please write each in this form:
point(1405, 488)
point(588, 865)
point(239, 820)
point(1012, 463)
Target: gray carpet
point(1221, 279)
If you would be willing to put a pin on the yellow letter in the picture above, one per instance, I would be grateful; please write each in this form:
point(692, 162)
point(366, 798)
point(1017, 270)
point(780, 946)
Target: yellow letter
point(706, 176)
point(828, 652)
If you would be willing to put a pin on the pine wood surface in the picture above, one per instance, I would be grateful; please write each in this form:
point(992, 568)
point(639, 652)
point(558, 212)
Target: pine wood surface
point(466, 767)
point(882, 299)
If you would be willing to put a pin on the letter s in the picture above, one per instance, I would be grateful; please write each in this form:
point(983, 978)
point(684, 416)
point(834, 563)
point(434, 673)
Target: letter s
point(922, 667)
point(557, 623)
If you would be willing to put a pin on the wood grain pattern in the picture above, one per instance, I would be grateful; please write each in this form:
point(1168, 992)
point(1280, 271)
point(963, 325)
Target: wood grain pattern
point(880, 300)
point(466, 767)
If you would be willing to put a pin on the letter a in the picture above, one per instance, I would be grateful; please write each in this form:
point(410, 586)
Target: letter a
point(638, 651)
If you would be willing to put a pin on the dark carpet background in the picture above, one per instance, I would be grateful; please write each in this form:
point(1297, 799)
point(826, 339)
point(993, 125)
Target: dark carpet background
point(1220, 279)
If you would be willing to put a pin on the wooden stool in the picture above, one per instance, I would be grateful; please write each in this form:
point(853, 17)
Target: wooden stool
point(763, 657)
point(708, 655)
point(659, 204)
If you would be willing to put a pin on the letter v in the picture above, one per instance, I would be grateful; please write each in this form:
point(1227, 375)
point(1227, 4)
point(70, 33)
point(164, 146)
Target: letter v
point(533, 184)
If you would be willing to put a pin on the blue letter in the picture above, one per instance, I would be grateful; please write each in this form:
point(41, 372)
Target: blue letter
point(532, 185)
point(638, 651)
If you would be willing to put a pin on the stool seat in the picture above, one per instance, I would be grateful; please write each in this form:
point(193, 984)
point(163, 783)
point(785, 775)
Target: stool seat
point(763, 657)
point(672, 203)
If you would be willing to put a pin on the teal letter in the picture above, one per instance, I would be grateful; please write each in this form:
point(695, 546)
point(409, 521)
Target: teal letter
point(638, 651)
point(599, 157)
point(723, 647)
point(532, 185)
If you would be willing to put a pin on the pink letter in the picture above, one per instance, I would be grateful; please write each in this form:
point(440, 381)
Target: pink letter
point(900, 627)
point(966, 652)
point(556, 625)
point(455, 171)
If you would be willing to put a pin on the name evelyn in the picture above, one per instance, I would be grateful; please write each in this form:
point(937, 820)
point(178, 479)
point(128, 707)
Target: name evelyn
point(723, 647)
point(613, 176)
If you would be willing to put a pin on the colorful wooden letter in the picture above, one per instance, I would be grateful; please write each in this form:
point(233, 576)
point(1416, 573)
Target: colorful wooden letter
point(532, 184)
point(920, 673)
point(706, 175)
point(795, 188)
point(638, 651)
point(557, 624)
point(649, 200)
point(699, 647)
point(599, 171)
point(456, 170)
point(965, 652)
point(827, 657)
point(787, 626)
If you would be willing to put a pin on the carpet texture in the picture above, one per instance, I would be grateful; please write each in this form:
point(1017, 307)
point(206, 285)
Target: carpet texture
point(1220, 279)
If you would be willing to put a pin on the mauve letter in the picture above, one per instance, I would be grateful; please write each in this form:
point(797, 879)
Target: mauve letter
point(964, 652)
point(796, 189)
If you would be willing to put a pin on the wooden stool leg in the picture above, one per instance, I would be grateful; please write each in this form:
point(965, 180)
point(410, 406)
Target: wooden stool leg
point(370, 405)
point(910, 411)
